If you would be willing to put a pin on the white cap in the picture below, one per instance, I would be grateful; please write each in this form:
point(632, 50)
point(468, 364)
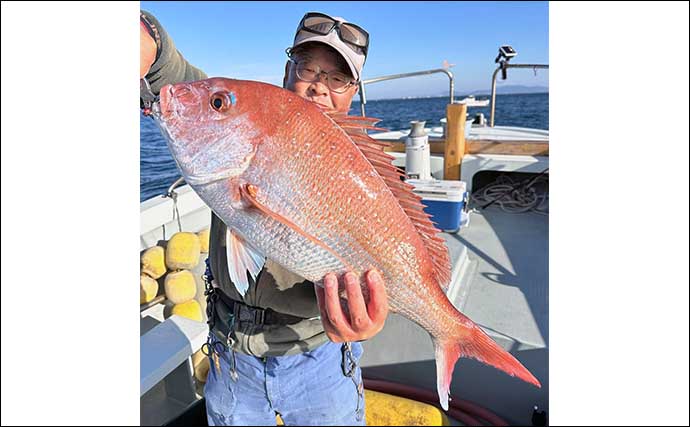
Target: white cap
point(354, 58)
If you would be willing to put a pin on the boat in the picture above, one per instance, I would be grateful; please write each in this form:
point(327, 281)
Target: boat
point(499, 280)
point(471, 101)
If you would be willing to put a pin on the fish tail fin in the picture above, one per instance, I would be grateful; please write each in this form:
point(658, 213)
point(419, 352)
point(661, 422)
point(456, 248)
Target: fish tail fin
point(476, 345)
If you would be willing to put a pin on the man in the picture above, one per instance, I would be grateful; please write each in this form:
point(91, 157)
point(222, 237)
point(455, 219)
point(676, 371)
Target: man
point(274, 350)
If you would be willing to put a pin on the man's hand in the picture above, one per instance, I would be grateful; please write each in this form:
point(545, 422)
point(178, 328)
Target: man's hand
point(364, 321)
point(147, 51)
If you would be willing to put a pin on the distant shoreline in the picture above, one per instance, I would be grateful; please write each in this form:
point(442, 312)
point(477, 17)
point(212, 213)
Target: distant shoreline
point(458, 97)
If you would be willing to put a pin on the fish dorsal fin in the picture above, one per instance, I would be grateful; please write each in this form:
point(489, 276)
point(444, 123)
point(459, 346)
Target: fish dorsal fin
point(411, 203)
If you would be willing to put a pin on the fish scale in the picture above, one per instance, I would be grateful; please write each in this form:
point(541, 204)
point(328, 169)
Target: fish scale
point(310, 191)
point(321, 214)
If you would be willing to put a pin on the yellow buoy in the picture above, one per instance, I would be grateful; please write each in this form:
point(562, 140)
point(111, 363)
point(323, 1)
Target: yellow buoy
point(149, 288)
point(197, 357)
point(203, 239)
point(387, 410)
point(190, 310)
point(180, 286)
point(201, 370)
point(153, 262)
point(182, 251)
point(201, 366)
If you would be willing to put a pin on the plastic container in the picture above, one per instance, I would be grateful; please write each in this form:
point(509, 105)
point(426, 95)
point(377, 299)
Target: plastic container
point(417, 154)
point(444, 201)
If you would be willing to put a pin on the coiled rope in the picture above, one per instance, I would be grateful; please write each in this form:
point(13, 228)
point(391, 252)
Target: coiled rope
point(530, 195)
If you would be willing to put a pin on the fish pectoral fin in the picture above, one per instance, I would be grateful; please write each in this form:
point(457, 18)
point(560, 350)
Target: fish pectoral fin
point(249, 194)
point(242, 258)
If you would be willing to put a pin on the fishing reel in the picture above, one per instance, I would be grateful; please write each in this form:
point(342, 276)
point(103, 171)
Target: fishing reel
point(505, 54)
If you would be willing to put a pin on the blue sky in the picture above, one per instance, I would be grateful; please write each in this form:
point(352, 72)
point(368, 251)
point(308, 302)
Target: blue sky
point(247, 40)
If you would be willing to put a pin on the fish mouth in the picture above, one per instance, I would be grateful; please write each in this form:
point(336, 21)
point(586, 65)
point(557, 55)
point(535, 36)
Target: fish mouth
point(166, 108)
point(177, 98)
point(165, 98)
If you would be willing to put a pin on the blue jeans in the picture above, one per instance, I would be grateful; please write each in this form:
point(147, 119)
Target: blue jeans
point(306, 389)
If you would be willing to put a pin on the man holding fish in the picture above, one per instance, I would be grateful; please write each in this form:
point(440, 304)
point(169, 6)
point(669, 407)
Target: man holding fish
point(273, 333)
point(300, 192)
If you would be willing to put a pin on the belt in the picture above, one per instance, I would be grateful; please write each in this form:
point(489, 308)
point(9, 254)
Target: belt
point(244, 313)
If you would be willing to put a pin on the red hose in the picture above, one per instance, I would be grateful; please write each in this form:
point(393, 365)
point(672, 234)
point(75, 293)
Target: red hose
point(458, 406)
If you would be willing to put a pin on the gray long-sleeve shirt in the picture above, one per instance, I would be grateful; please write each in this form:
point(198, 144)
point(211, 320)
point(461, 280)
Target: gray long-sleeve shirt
point(275, 287)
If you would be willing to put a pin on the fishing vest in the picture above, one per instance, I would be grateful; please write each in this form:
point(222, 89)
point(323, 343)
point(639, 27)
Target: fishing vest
point(278, 315)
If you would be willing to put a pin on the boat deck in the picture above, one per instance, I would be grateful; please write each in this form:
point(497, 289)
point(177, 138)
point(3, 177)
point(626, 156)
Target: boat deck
point(501, 283)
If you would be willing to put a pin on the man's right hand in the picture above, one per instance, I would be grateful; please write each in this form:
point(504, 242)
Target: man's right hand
point(147, 51)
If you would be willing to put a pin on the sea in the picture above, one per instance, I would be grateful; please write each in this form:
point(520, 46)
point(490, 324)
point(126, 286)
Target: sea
point(158, 169)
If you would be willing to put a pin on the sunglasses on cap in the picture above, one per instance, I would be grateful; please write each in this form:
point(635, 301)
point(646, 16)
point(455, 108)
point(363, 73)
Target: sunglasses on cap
point(322, 24)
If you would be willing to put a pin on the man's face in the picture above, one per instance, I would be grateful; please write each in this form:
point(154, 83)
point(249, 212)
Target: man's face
point(318, 91)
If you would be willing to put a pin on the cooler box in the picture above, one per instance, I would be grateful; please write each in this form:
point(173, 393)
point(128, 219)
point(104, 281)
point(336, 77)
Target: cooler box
point(444, 201)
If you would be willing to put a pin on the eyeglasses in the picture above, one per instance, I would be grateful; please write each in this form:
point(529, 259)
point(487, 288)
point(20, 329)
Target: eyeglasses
point(322, 24)
point(336, 81)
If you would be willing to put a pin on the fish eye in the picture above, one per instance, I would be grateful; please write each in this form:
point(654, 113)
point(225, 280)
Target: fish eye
point(217, 103)
point(221, 101)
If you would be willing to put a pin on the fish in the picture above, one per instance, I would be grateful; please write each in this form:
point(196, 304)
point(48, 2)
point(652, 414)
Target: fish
point(310, 190)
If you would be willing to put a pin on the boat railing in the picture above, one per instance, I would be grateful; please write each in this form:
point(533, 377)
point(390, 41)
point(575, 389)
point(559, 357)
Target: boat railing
point(362, 92)
point(453, 145)
point(503, 66)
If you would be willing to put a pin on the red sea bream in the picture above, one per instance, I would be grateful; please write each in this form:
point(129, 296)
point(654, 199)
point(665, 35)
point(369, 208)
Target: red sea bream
point(311, 191)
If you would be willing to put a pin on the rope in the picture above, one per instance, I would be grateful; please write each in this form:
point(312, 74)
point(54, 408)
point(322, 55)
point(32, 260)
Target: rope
point(514, 196)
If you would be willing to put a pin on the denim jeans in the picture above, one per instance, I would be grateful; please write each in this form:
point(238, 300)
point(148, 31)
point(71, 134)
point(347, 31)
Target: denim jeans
point(305, 389)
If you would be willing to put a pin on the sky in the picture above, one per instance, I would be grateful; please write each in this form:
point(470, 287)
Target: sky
point(247, 40)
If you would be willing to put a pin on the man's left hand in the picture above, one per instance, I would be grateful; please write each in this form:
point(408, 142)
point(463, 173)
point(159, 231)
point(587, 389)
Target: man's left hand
point(364, 320)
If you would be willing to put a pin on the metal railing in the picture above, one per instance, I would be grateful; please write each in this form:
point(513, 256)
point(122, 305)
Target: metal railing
point(504, 67)
point(363, 96)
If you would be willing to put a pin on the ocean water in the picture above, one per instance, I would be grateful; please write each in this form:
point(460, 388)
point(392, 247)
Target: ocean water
point(158, 170)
